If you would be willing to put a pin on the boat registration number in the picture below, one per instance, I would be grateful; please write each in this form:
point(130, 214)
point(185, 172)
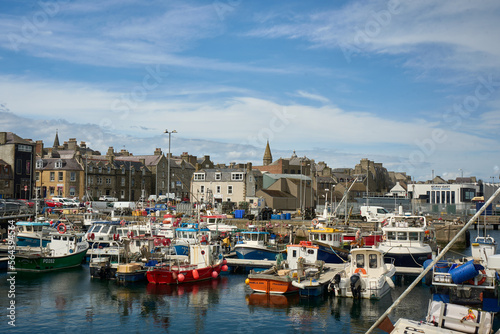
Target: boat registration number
point(48, 261)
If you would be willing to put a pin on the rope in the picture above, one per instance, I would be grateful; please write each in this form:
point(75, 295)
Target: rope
point(334, 252)
point(418, 264)
point(431, 265)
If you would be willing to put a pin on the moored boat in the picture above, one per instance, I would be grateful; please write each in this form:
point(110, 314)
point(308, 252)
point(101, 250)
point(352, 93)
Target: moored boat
point(65, 250)
point(33, 234)
point(253, 245)
point(365, 276)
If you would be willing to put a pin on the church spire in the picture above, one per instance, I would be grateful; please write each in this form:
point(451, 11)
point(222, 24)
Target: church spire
point(56, 141)
point(268, 157)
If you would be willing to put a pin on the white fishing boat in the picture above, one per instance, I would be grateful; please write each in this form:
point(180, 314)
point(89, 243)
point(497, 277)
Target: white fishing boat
point(366, 275)
point(409, 240)
point(449, 319)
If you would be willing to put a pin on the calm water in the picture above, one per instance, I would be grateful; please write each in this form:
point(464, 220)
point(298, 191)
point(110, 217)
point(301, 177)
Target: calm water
point(70, 301)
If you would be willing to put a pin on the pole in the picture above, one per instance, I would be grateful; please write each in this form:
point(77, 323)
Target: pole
point(168, 168)
point(431, 265)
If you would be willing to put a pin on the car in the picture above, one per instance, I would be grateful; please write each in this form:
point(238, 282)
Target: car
point(53, 204)
point(108, 198)
point(69, 202)
point(28, 203)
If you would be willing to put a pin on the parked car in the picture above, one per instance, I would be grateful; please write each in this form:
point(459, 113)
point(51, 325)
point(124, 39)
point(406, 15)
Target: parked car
point(53, 204)
point(28, 203)
point(69, 202)
point(108, 198)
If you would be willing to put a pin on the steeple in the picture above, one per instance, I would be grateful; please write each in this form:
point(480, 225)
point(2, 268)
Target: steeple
point(56, 141)
point(268, 157)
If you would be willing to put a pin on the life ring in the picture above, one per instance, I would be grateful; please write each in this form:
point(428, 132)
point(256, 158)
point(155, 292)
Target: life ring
point(59, 230)
point(481, 281)
point(169, 203)
point(166, 242)
point(157, 242)
point(130, 234)
point(91, 236)
point(315, 221)
point(363, 271)
point(122, 222)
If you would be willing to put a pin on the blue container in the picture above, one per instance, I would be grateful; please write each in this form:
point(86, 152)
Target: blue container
point(239, 213)
point(283, 216)
point(463, 273)
point(442, 267)
point(288, 216)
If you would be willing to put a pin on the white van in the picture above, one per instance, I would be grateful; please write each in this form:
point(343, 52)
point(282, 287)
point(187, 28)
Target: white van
point(374, 213)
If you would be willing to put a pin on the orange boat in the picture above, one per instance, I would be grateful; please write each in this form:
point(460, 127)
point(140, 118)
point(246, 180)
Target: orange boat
point(271, 282)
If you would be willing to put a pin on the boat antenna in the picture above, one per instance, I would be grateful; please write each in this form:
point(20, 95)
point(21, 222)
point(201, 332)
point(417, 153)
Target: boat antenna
point(431, 265)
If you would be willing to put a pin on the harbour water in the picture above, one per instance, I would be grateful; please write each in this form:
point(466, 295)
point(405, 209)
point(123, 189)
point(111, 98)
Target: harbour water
point(70, 301)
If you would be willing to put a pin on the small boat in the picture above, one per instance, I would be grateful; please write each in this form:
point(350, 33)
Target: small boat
point(365, 276)
point(254, 245)
point(409, 240)
point(205, 263)
point(33, 234)
point(104, 262)
point(190, 234)
point(216, 224)
point(66, 249)
point(449, 319)
point(131, 272)
point(105, 233)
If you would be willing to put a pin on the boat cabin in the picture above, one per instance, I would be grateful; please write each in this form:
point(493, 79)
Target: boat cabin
point(103, 232)
point(367, 261)
point(256, 238)
point(407, 231)
point(192, 233)
point(328, 236)
point(304, 250)
point(62, 244)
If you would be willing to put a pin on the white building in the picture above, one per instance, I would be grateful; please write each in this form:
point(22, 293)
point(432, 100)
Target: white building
point(227, 184)
point(455, 193)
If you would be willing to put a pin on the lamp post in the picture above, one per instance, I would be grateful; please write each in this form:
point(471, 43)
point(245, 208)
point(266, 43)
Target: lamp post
point(168, 161)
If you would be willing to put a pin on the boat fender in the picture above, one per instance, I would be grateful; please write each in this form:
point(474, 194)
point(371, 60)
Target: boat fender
point(481, 281)
point(196, 275)
point(214, 274)
point(180, 277)
point(390, 282)
point(157, 242)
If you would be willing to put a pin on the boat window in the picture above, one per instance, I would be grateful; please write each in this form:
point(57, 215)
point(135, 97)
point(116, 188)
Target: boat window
point(330, 237)
point(391, 235)
point(71, 239)
point(413, 236)
point(56, 237)
point(294, 253)
point(113, 229)
point(64, 238)
point(138, 243)
point(310, 251)
point(316, 236)
point(360, 261)
point(372, 262)
point(105, 229)
point(323, 237)
point(97, 228)
point(29, 228)
point(255, 237)
point(402, 236)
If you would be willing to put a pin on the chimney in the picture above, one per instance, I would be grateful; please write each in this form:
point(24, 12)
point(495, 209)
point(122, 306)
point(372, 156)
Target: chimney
point(72, 144)
point(83, 144)
point(39, 148)
point(3, 138)
point(158, 151)
point(249, 167)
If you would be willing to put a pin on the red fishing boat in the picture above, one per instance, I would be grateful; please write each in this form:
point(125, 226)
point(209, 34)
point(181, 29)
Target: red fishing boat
point(205, 263)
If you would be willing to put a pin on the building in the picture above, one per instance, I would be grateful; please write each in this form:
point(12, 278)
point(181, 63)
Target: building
point(443, 193)
point(287, 191)
point(17, 155)
point(235, 183)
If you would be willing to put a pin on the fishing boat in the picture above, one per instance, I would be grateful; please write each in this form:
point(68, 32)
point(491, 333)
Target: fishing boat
point(330, 244)
point(365, 276)
point(205, 263)
point(33, 234)
point(409, 240)
point(66, 249)
point(254, 245)
point(188, 234)
point(449, 319)
point(217, 224)
point(104, 233)
point(131, 272)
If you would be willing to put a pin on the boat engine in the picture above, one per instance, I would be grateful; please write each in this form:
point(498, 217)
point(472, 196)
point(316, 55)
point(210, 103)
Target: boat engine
point(356, 285)
point(334, 284)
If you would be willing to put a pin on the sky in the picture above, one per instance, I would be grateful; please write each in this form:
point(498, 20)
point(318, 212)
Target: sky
point(414, 85)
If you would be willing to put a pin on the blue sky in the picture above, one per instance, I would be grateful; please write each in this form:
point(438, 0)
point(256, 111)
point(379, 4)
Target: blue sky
point(410, 84)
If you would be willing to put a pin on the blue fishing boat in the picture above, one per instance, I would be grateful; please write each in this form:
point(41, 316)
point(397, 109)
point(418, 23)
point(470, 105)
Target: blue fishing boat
point(189, 234)
point(254, 245)
point(33, 234)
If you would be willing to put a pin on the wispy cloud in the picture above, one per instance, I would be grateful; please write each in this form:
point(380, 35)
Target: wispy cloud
point(311, 96)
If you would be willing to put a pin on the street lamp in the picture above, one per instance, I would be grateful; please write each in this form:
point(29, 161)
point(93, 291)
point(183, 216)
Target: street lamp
point(168, 160)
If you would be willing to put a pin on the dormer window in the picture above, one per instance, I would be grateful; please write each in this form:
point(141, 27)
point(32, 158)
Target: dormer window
point(218, 176)
point(91, 169)
point(109, 170)
point(39, 164)
point(123, 169)
point(100, 169)
point(58, 164)
point(199, 176)
point(236, 176)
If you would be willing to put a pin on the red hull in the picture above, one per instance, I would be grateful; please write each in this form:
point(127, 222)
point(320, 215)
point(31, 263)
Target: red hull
point(368, 240)
point(167, 275)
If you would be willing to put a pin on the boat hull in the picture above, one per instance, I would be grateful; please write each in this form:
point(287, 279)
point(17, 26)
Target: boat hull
point(131, 277)
point(39, 263)
point(248, 252)
point(332, 255)
point(408, 259)
point(171, 276)
point(271, 284)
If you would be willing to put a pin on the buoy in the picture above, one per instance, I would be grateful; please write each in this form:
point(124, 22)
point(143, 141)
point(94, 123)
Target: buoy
point(215, 274)
point(247, 281)
point(224, 261)
point(180, 277)
point(174, 275)
point(224, 268)
point(196, 275)
point(63, 230)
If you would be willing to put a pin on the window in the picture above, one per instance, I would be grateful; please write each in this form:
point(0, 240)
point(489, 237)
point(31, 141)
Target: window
point(402, 236)
point(99, 180)
point(37, 176)
point(19, 166)
point(372, 260)
point(229, 190)
point(91, 169)
point(217, 189)
point(452, 197)
point(72, 176)
point(122, 194)
point(236, 176)
point(109, 170)
point(51, 191)
point(133, 182)
point(90, 180)
point(108, 180)
point(123, 182)
point(413, 236)
point(202, 189)
point(360, 261)
point(100, 169)
point(391, 235)
point(60, 176)
point(199, 176)
point(39, 164)
point(58, 164)
point(72, 191)
point(218, 176)
point(59, 191)
point(123, 169)
point(28, 167)
point(52, 176)
point(132, 170)
point(24, 148)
